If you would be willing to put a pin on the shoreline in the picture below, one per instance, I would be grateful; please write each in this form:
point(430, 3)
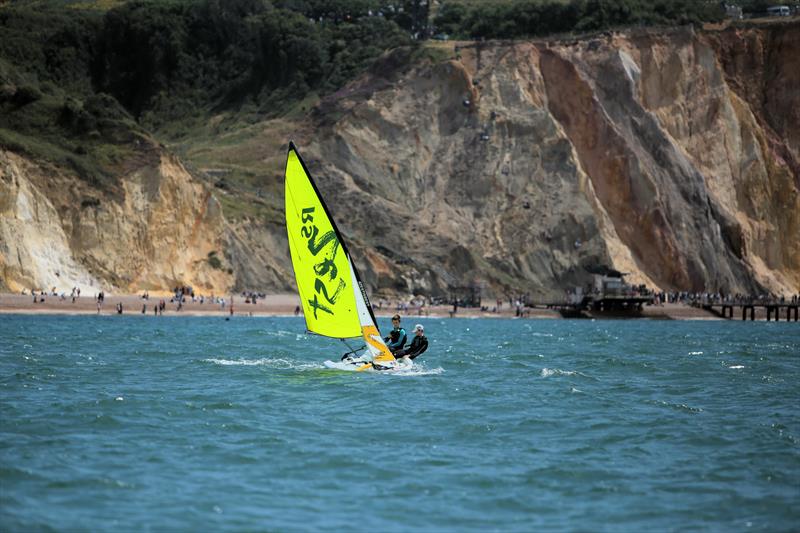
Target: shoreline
point(275, 305)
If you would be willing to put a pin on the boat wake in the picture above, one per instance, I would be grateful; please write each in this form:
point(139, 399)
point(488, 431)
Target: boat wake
point(280, 363)
point(417, 369)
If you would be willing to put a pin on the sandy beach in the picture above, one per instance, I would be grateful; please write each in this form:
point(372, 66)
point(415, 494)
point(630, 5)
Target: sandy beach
point(282, 305)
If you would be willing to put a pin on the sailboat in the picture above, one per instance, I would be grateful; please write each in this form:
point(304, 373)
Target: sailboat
point(332, 295)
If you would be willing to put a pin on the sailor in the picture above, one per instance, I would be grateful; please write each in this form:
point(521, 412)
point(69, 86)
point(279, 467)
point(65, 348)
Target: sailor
point(397, 338)
point(418, 344)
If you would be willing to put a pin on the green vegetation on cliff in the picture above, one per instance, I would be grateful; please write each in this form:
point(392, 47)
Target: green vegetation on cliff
point(527, 18)
point(79, 82)
point(86, 84)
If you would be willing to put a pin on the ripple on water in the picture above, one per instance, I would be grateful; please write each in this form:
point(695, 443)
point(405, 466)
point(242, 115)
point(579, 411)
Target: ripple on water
point(502, 425)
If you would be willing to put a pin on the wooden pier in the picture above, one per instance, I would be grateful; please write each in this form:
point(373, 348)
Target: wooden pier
point(773, 310)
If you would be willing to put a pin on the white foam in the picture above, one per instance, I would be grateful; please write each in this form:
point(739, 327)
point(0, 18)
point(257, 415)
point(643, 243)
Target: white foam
point(547, 372)
point(695, 353)
point(736, 367)
point(417, 369)
point(264, 361)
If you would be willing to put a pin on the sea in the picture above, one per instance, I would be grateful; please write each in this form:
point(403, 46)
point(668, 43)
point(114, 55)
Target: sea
point(145, 423)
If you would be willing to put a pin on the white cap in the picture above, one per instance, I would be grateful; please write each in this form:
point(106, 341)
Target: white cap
point(419, 327)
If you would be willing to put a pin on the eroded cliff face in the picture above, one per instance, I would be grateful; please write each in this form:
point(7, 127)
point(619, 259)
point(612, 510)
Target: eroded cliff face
point(154, 232)
point(662, 154)
point(670, 155)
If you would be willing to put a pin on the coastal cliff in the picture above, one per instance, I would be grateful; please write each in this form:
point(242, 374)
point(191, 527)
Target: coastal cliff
point(159, 229)
point(672, 155)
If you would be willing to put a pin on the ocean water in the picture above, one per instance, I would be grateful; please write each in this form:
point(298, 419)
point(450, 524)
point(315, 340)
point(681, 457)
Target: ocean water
point(178, 423)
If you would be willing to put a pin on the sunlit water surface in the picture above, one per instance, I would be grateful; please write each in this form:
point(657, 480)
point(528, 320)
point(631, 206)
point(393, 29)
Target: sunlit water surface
point(153, 423)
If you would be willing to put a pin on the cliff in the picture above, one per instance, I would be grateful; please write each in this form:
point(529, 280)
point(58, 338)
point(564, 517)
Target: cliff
point(159, 229)
point(672, 155)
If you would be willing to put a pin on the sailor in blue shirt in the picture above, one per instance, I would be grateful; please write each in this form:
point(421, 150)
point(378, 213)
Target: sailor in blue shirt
point(397, 338)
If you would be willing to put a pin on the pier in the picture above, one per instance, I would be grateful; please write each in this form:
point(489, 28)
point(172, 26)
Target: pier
point(773, 309)
point(618, 305)
point(607, 295)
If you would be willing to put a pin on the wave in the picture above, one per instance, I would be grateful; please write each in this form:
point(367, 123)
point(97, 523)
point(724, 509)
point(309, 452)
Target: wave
point(676, 406)
point(547, 372)
point(418, 369)
point(280, 363)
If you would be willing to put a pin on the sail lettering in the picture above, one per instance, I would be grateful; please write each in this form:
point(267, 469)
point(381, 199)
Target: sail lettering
point(321, 289)
point(316, 247)
point(326, 267)
point(314, 303)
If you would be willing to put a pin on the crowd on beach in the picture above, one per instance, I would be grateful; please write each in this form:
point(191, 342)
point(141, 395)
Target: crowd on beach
point(519, 304)
point(40, 296)
point(181, 295)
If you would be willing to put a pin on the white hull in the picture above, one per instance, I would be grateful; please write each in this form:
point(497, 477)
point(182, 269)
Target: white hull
point(354, 366)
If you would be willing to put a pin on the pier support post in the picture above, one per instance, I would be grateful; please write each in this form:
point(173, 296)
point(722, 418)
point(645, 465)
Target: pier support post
point(769, 313)
point(752, 312)
point(744, 313)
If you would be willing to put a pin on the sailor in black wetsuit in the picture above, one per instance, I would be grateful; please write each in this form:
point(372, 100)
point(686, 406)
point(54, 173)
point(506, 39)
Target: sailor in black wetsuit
point(397, 338)
point(418, 344)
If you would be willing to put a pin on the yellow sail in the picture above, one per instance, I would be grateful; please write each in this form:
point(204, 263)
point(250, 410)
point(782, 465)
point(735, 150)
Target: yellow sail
point(334, 301)
point(321, 265)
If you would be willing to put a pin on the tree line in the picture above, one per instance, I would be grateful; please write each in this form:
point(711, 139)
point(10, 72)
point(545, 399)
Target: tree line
point(162, 59)
point(531, 18)
point(166, 58)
